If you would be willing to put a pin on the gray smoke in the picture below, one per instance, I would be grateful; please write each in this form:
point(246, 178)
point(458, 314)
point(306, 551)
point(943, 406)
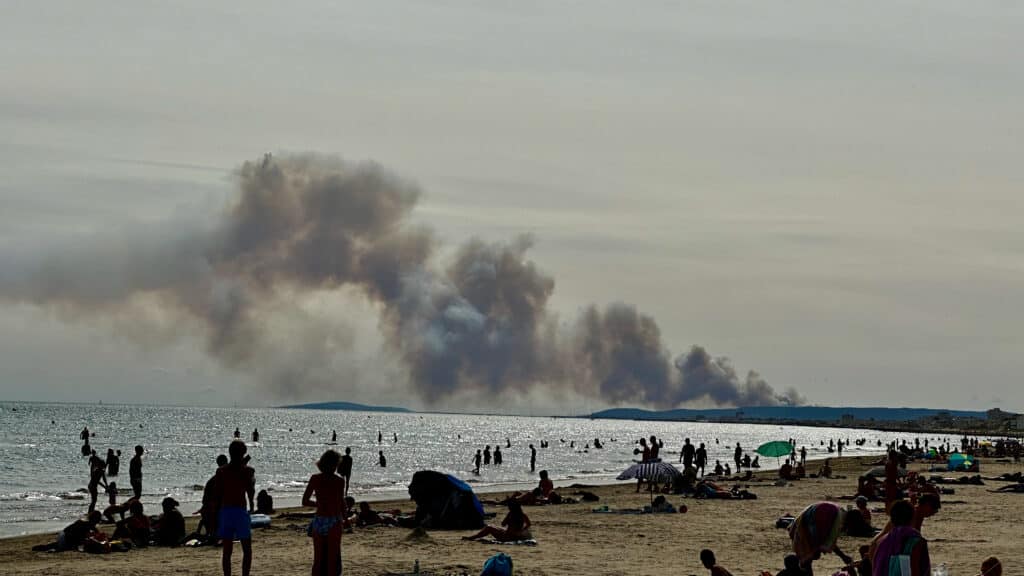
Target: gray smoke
point(307, 224)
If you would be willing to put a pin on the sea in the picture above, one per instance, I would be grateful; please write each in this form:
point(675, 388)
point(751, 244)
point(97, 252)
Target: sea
point(43, 474)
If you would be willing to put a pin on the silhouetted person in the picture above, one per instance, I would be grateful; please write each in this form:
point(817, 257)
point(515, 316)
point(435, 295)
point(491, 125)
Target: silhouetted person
point(345, 467)
point(737, 455)
point(97, 476)
point(235, 485)
point(700, 458)
point(113, 463)
point(255, 435)
point(395, 435)
point(380, 436)
point(533, 458)
point(85, 434)
point(497, 456)
point(264, 503)
point(135, 472)
point(476, 462)
point(487, 455)
point(238, 433)
point(508, 443)
point(687, 453)
point(334, 435)
point(382, 460)
point(169, 529)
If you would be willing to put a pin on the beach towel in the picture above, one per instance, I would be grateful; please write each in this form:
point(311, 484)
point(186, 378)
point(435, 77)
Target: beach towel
point(816, 529)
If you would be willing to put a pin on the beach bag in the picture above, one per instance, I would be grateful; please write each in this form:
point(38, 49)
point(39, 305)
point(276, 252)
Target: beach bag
point(498, 565)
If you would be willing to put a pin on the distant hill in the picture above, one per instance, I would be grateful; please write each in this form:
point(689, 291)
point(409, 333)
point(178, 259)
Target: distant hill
point(807, 413)
point(351, 406)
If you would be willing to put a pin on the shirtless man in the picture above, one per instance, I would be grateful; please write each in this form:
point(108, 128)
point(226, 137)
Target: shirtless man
point(235, 484)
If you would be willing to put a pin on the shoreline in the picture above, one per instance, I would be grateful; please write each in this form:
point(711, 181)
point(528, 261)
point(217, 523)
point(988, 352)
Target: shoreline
point(973, 524)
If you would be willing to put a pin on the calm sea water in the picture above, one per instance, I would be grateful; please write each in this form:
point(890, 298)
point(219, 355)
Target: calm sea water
point(43, 474)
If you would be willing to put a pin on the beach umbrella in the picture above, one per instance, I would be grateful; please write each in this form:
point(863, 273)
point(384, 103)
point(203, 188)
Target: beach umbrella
point(652, 472)
point(776, 448)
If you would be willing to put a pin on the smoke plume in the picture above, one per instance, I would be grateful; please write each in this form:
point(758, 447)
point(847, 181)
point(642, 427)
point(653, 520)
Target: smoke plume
point(301, 225)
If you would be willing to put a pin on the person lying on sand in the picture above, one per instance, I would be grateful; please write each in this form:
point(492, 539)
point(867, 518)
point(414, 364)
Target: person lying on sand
point(516, 526)
point(72, 536)
point(1010, 489)
point(370, 517)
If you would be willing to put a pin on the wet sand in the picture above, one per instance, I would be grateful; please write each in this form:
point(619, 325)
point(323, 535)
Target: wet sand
point(972, 525)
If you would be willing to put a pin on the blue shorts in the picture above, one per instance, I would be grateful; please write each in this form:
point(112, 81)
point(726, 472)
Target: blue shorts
point(233, 523)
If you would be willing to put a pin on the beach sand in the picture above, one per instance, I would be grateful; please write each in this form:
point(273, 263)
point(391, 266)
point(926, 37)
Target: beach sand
point(972, 525)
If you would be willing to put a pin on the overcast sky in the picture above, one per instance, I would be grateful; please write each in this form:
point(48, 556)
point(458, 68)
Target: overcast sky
point(828, 193)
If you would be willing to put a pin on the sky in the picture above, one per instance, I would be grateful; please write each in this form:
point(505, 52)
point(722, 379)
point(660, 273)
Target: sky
point(826, 193)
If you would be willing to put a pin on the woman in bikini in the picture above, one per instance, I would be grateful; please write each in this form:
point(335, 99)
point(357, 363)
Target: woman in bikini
point(329, 520)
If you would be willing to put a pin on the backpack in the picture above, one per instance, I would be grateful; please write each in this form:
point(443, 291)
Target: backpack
point(498, 565)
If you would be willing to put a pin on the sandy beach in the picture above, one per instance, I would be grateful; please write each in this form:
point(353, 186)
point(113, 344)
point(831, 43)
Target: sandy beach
point(972, 525)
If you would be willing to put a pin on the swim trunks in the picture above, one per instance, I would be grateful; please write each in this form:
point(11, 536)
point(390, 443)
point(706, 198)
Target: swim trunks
point(233, 522)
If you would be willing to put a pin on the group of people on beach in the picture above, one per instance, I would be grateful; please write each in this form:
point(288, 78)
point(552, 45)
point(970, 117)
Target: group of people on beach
point(230, 500)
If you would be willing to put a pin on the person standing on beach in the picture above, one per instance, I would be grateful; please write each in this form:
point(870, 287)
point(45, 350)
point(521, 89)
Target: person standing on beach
point(255, 435)
point(687, 453)
point(135, 471)
point(497, 455)
point(345, 467)
point(113, 463)
point(382, 460)
point(487, 455)
point(334, 435)
point(737, 455)
point(476, 463)
point(235, 484)
point(701, 458)
point(96, 477)
point(803, 455)
point(533, 458)
point(329, 521)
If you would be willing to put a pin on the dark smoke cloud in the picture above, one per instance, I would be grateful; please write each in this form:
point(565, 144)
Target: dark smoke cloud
point(306, 224)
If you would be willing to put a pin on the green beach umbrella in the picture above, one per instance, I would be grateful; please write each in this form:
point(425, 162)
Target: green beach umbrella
point(777, 448)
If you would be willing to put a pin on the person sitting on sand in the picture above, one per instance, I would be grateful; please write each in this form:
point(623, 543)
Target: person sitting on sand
point(867, 486)
point(756, 463)
point(858, 522)
point(792, 566)
point(169, 528)
point(786, 471)
point(135, 527)
point(72, 536)
point(546, 485)
point(707, 558)
point(991, 567)
point(799, 472)
point(661, 505)
point(264, 503)
point(902, 540)
point(718, 468)
point(516, 526)
point(826, 469)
